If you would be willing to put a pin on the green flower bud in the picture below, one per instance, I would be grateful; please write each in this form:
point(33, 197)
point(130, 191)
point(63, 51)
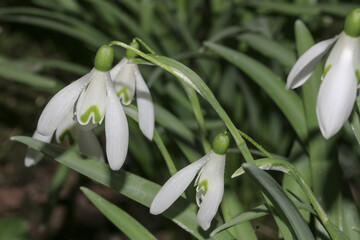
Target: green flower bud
point(129, 53)
point(352, 23)
point(221, 143)
point(104, 58)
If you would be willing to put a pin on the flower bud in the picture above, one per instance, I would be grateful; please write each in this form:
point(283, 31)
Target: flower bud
point(129, 53)
point(104, 58)
point(352, 23)
point(221, 143)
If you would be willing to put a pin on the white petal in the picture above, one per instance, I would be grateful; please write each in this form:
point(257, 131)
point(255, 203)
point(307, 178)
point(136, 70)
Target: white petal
point(66, 129)
point(89, 145)
point(92, 101)
point(307, 63)
point(124, 82)
point(33, 156)
point(60, 105)
point(116, 130)
point(145, 106)
point(213, 172)
point(117, 68)
point(344, 42)
point(337, 95)
point(175, 186)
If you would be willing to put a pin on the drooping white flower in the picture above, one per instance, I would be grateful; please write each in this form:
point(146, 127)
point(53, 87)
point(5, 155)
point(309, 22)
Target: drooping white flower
point(128, 80)
point(70, 132)
point(209, 184)
point(338, 89)
point(91, 98)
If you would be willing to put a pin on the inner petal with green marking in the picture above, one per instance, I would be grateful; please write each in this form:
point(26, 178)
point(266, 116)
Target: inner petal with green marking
point(91, 111)
point(123, 95)
point(357, 73)
point(203, 185)
point(67, 133)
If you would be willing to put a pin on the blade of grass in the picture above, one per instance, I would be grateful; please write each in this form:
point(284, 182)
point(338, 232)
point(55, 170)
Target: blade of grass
point(121, 219)
point(143, 191)
point(283, 205)
point(289, 103)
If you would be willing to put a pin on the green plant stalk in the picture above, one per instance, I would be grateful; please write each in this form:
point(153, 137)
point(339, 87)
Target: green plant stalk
point(130, 111)
point(286, 167)
point(258, 146)
point(164, 152)
point(206, 93)
point(199, 117)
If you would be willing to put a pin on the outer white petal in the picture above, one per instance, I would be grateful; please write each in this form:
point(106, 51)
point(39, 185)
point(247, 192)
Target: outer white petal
point(175, 186)
point(60, 105)
point(89, 145)
point(66, 129)
point(213, 171)
point(94, 96)
point(307, 63)
point(117, 68)
point(33, 156)
point(116, 129)
point(124, 82)
point(344, 42)
point(145, 106)
point(337, 95)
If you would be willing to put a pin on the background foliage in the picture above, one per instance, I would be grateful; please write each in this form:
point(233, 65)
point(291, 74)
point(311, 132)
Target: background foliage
point(46, 44)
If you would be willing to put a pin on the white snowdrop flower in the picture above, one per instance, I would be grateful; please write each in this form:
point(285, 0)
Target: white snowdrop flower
point(209, 184)
point(338, 89)
point(91, 98)
point(128, 80)
point(68, 131)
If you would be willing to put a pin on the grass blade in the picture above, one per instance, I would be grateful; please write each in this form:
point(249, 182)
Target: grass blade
point(123, 221)
point(283, 205)
point(143, 191)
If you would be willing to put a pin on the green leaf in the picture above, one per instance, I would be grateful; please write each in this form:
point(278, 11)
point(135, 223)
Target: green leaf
point(355, 126)
point(55, 26)
point(341, 9)
point(251, 214)
point(13, 228)
point(270, 48)
point(123, 221)
point(283, 205)
point(143, 191)
point(285, 8)
point(171, 122)
point(289, 103)
point(12, 72)
point(231, 207)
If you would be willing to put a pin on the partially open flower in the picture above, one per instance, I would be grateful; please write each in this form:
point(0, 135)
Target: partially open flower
point(209, 184)
point(90, 98)
point(338, 90)
point(69, 132)
point(128, 80)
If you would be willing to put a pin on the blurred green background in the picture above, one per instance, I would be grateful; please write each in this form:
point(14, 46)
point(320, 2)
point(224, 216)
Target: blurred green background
point(47, 44)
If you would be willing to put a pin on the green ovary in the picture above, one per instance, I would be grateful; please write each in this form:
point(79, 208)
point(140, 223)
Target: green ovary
point(92, 109)
point(204, 184)
point(67, 133)
point(125, 94)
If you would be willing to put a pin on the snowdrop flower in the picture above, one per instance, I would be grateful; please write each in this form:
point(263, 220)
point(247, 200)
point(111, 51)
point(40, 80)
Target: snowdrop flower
point(338, 89)
point(90, 98)
point(209, 183)
point(68, 131)
point(127, 79)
